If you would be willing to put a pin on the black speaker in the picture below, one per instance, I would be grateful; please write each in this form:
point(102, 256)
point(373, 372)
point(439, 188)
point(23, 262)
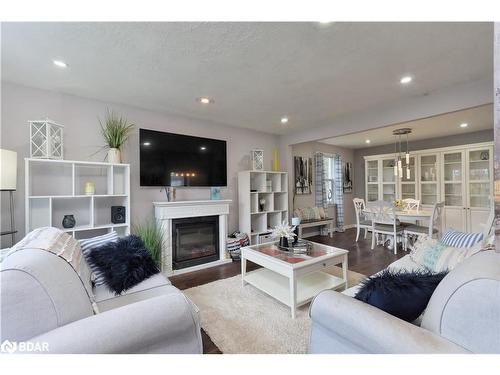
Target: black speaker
point(117, 214)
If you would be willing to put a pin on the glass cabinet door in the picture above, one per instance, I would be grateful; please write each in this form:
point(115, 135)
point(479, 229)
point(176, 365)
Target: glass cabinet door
point(453, 178)
point(408, 180)
point(372, 193)
point(372, 180)
point(428, 179)
point(479, 177)
point(388, 180)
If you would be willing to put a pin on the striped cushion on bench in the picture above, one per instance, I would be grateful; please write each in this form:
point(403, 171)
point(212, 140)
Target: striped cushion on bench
point(309, 213)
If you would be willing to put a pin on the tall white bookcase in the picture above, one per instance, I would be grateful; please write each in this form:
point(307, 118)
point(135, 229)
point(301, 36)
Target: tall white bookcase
point(55, 188)
point(272, 189)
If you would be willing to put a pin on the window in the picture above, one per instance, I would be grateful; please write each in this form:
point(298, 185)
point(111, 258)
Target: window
point(328, 165)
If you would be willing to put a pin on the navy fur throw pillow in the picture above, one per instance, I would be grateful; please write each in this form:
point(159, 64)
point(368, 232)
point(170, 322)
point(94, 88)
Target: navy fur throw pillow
point(123, 263)
point(400, 293)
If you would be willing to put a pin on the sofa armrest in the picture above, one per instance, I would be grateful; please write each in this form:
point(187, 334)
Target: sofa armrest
point(342, 324)
point(164, 324)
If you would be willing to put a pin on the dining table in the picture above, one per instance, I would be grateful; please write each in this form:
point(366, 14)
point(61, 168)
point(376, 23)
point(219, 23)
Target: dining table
point(404, 216)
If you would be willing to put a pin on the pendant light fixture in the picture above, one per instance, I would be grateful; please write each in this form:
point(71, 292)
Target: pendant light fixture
point(398, 153)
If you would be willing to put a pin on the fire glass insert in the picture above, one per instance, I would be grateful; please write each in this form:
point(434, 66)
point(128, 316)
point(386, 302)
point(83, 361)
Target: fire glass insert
point(195, 241)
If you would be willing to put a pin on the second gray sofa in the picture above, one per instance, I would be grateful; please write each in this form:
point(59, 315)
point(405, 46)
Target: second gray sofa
point(463, 316)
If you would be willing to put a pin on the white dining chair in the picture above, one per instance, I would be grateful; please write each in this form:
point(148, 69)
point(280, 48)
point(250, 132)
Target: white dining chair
point(433, 229)
point(361, 220)
point(411, 204)
point(490, 225)
point(385, 222)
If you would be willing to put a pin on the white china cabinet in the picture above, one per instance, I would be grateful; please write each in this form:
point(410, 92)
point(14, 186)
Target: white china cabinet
point(461, 176)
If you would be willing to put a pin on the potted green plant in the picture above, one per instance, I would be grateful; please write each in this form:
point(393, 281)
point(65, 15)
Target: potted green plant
point(153, 238)
point(115, 131)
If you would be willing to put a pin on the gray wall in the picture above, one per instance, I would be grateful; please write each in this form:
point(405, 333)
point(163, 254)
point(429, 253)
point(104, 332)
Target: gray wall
point(82, 138)
point(454, 140)
point(307, 149)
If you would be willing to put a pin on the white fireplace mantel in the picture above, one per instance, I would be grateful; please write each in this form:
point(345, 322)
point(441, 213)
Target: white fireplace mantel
point(165, 212)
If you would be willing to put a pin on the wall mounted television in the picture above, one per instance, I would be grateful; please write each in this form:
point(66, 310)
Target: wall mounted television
point(168, 159)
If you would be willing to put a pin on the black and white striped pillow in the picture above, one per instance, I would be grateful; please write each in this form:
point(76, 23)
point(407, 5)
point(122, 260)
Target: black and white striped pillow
point(91, 243)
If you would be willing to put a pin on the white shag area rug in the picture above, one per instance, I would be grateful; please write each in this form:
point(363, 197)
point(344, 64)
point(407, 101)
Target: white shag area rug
point(244, 320)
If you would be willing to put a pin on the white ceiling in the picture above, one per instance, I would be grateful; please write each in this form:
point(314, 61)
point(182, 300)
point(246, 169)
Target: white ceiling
point(479, 118)
point(255, 72)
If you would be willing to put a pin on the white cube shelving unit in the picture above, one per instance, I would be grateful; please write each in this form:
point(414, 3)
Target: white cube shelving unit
point(272, 187)
point(55, 188)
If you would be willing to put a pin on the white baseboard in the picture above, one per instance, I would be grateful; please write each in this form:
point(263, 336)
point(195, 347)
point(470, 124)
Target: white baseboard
point(349, 226)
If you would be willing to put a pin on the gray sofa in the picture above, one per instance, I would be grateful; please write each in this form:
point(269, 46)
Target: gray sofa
point(463, 316)
point(44, 301)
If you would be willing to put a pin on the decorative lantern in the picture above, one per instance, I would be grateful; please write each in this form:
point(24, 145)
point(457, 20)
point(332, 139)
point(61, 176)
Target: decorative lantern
point(257, 157)
point(46, 139)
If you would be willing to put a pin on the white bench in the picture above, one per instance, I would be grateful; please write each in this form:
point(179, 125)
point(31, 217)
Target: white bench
point(330, 222)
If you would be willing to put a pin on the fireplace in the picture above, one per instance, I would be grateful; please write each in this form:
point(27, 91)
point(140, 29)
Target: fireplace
point(166, 213)
point(195, 241)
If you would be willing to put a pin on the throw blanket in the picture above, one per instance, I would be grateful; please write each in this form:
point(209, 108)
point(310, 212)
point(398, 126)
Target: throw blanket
point(63, 245)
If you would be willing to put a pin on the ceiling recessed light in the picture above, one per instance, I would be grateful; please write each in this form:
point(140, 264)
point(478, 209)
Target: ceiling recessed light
point(406, 79)
point(205, 100)
point(464, 125)
point(367, 141)
point(284, 120)
point(60, 64)
point(146, 144)
point(203, 148)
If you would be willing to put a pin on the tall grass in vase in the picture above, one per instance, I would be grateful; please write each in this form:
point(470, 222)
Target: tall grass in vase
point(115, 131)
point(153, 238)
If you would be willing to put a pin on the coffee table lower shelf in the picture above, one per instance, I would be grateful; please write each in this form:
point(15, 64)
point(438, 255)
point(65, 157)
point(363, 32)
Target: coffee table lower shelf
point(278, 286)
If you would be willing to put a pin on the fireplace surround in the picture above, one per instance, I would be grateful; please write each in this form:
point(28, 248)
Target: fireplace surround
point(197, 214)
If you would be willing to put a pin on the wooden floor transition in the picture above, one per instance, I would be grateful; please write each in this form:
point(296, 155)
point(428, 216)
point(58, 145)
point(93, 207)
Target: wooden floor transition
point(361, 259)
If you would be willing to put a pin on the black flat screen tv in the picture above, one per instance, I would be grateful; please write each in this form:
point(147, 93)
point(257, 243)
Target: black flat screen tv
point(168, 159)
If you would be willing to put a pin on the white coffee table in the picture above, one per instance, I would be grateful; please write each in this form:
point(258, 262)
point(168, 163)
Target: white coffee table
point(293, 279)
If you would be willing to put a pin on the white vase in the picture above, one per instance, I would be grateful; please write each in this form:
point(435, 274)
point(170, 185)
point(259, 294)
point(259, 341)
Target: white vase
point(114, 156)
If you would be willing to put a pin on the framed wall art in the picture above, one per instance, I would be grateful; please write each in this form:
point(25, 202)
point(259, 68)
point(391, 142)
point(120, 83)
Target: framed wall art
point(303, 175)
point(347, 174)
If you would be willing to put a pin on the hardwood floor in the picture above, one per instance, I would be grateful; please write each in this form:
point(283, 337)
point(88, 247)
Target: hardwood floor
point(361, 259)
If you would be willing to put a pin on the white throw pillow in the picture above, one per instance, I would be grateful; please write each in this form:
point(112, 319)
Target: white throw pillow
point(437, 257)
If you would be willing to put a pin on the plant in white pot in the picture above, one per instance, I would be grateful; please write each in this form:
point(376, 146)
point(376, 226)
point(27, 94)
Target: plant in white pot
point(115, 131)
point(284, 232)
